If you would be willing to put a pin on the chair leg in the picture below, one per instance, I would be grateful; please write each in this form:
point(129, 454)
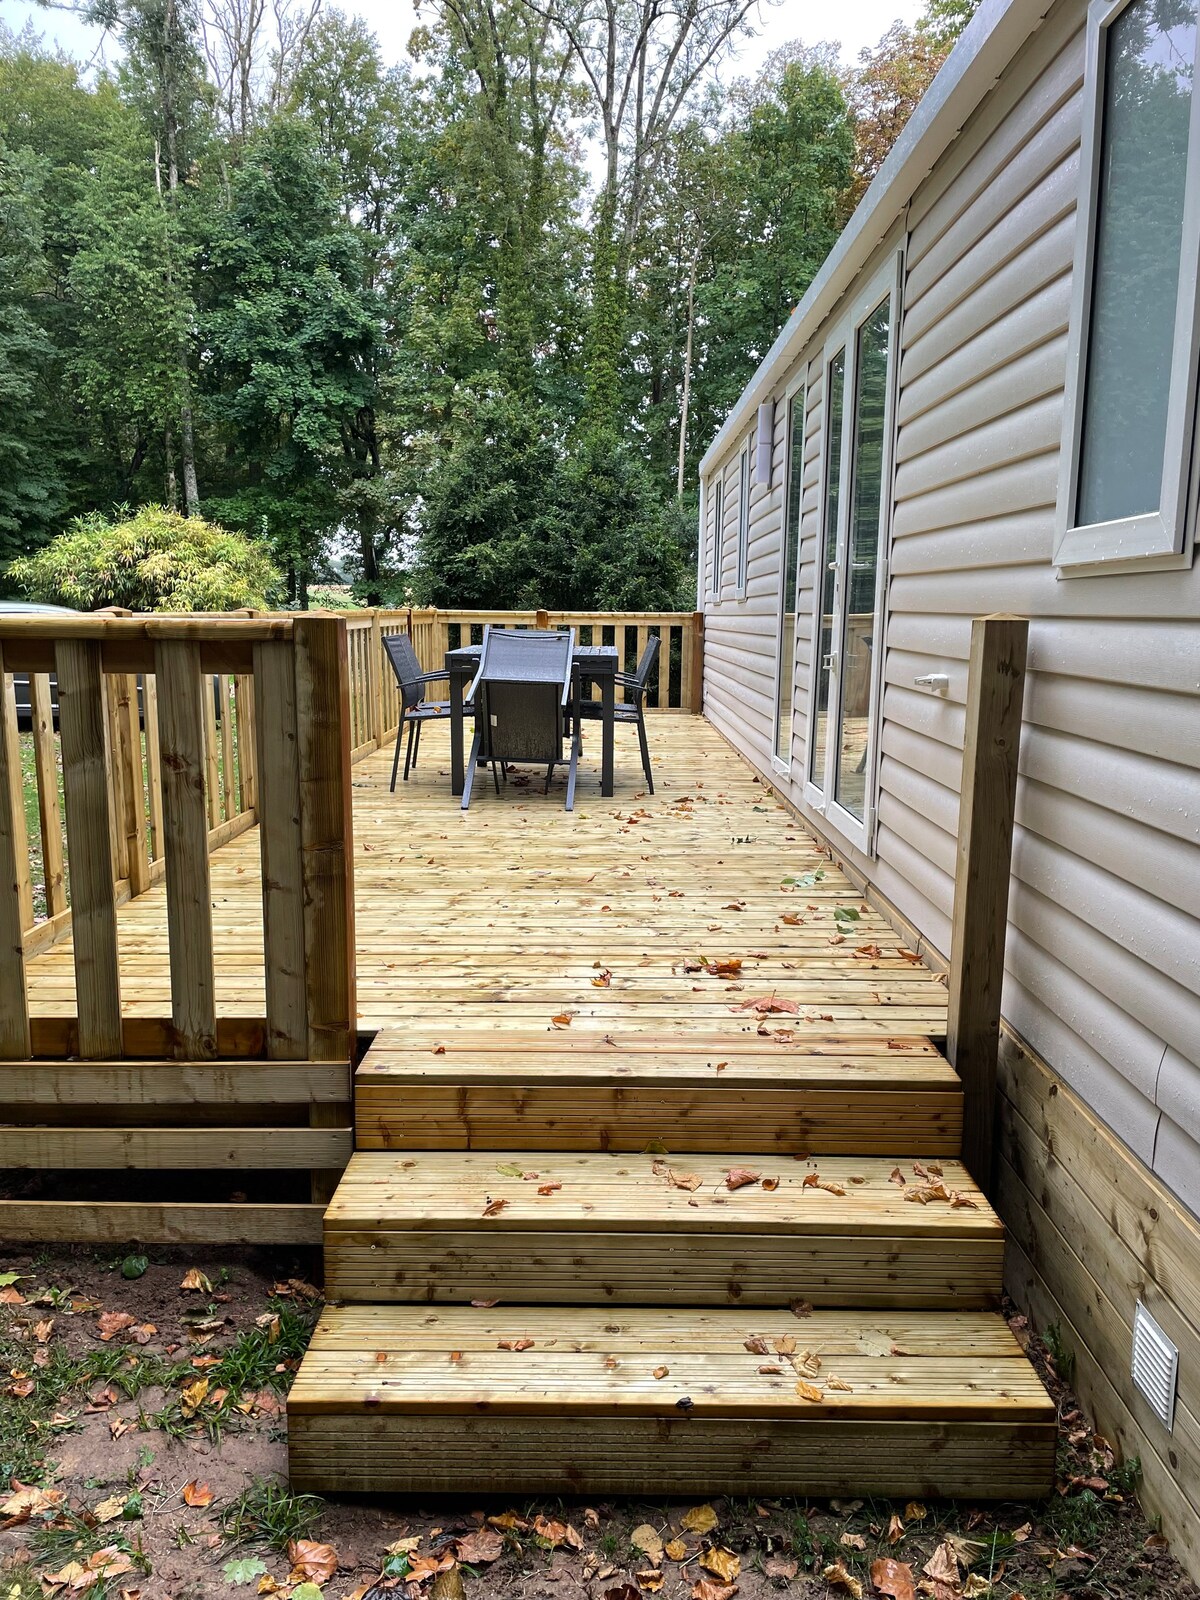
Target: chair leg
point(396, 757)
point(416, 745)
point(549, 775)
point(412, 729)
point(573, 769)
point(469, 780)
point(642, 740)
point(497, 769)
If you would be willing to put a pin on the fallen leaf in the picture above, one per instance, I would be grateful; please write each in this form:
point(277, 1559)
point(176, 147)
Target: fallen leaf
point(243, 1569)
point(722, 1562)
point(676, 1549)
point(43, 1330)
point(311, 1561)
point(809, 1391)
point(684, 1180)
point(109, 1510)
point(837, 1575)
point(838, 1384)
point(561, 1021)
point(914, 1511)
point(448, 1585)
point(661, 1372)
point(111, 1323)
point(193, 1396)
point(800, 1308)
point(853, 1541)
point(739, 1177)
point(756, 1345)
point(514, 1344)
point(480, 1546)
point(556, 1533)
point(893, 1578)
point(144, 1332)
point(975, 1587)
point(699, 1519)
point(780, 1567)
point(897, 1177)
point(942, 1565)
point(895, 1530)
point(493, 1208)
point(549, 1188)
point(706, 1589)
point(193, 1278)
point(28, 1501)
point(647, 1540)
point(770, 1184)
point(196, 1493)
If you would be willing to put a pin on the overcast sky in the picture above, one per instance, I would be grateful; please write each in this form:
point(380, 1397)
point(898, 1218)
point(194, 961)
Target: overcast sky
point(854, 24)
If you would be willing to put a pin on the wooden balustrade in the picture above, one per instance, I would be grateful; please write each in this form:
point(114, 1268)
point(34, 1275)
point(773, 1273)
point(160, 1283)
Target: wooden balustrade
point(162, 759)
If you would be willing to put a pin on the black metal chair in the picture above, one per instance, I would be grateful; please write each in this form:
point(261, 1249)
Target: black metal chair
point(521, 691)
point(415, 710)
point(632, 709)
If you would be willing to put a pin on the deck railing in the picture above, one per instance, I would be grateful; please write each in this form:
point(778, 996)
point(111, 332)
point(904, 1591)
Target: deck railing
point(162, 759)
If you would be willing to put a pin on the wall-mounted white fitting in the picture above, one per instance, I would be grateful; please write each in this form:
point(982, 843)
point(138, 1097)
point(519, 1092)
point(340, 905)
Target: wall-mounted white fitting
point(764, 443)
point(939, 682)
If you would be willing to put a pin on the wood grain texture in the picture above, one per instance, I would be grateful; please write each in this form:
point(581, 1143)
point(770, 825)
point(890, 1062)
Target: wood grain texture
point(14, 865)
point(81, 709)
point(114, 1222)
point(277, 781)
point(987, 800)
point(181, 694)
point(45, 749)
point(194, 1147)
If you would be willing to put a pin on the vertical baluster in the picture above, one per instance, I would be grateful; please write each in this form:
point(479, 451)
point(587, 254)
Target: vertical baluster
point(278, 797)
point(14, 860)
point(212, 770)
point(46, 758)
point(227, 774)
point(153, 764)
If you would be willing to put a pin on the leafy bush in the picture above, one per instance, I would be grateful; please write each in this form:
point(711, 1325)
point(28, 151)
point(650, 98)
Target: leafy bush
point(154, 559)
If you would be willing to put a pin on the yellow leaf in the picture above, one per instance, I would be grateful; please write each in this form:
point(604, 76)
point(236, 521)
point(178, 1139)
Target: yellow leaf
point(109, 1510)
point(196, 1493)
point(193, 1396)
point(841, 1579)
point(652, 1582)
point(809, 1391)
point(193, 1278)
point(676, 1549)
point(647, 1540)
point(700, 1519)
point(723, 1562)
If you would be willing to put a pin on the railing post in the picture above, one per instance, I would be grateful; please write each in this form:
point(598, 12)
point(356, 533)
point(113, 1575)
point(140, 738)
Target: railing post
point(14, 860)
point(987, 800)
point(375, 665)
point(693, 699)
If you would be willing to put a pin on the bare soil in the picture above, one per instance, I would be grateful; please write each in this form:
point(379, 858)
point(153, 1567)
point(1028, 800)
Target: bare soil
point(156, 1460)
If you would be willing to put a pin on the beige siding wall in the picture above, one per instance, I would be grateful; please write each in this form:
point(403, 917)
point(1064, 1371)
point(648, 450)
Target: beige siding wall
point(1104, 941)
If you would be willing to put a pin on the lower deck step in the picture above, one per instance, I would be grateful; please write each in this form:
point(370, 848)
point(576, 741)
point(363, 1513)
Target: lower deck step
point(550, 1091)
point(597, 1229)
point(556, 1400)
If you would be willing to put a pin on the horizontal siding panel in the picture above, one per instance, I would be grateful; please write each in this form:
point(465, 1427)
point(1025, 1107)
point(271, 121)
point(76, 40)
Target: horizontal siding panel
point(1023, 486)
point(940, 763)
point(1160, 725)
point(934, 844)
point(1164, 866)
point(1013, 541)
point(1005, 393)
point(1177, 1163)
point(1178, 1092)
point(1032, 591)
point(1159, 794)
point(1010, 439)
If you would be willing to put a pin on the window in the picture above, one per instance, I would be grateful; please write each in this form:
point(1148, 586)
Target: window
point(1132, 368)
point(743, 523)
point(851, 576)
point(718, 521)
point(789, 564)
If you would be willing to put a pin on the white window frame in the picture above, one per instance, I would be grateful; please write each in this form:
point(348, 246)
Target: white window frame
point(798, 386)
point(1161, 538)
point(718, 553)
point(889, 280)
point(743, 522)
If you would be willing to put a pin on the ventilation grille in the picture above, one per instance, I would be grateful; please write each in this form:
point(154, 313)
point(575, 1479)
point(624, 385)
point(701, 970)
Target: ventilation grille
point(1155, 1365)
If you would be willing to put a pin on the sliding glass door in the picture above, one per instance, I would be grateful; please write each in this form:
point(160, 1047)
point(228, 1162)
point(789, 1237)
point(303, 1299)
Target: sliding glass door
point(848, 630)
point(789, 564)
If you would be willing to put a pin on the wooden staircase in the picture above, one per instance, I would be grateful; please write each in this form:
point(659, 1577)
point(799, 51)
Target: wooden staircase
point(593, 1265)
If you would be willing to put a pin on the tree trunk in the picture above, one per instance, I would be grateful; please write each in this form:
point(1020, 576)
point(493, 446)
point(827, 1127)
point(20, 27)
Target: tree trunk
point(187, 440)
point(172, 488)
point(687, 377)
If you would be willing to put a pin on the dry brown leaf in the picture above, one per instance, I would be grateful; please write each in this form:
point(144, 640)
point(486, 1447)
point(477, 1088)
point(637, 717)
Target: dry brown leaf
point(785, 1346)
point(838, 1384)
point(514, 1344)
point(707, 1589)
point(651, 1581)
point(196, 1493)
point(809, 1391)
point(800, 1308)
point(837, 1575)
point(771, 1371)
point(602, 980)
point(893, 1578)
point(193, 1396)
point(549, 1188)
point(808, 1362)
point(563, 1020)
point(739, 1177)
point(699, 1519)
point(914, 1511)
point(723, 1563)
point(897, 1177)
point(975, 1587)
point(661, 1372)
point(43, 1330)
point(942, 1565)
point(770, 1005)
point(312, 1562)
point(853, 1541)
point(895, 1530)
point(770, 1184)
point(676, 1549)
point(509, 1522)
point(144, 1332)
point(684, 1180)
point(480, 1547)
point(493, 1208)
point(193, 1278)
point(756, 1345)
point(111, 1323)
point(28, 1501)
point(958, 1200)
point(557, 1533)
point(648, 1540)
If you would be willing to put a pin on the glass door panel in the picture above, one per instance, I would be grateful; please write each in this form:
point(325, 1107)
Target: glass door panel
point(785, 672)
point(861, 578)
point(835, 391)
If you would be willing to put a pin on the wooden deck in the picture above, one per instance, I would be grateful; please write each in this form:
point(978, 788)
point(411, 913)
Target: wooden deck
point(607, 919)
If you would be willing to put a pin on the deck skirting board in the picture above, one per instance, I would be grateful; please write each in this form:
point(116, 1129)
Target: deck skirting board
point(177, 1222)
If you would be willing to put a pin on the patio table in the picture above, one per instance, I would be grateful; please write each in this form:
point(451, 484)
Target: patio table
point(598, 662)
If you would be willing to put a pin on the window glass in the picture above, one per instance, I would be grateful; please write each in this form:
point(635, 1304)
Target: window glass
point(827, 576)
point(858, 592)
point(1149, 51)
point(786, 666)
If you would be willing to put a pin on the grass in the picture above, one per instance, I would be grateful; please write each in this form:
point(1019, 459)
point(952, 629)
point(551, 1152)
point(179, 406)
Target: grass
point(71, 1537)
point(268, 1513)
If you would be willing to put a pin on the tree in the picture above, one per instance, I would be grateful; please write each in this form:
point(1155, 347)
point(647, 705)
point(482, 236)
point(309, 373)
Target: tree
point(884, 92)
point(292, 336)
point(253, 51)
point(32, 488)
point(150, 560)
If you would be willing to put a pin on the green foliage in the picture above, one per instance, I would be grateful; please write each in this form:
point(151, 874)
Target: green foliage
point(152, 559)
point(267, 1513)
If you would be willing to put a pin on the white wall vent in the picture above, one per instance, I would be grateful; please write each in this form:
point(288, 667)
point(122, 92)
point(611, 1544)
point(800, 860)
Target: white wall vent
point(1155, 1365)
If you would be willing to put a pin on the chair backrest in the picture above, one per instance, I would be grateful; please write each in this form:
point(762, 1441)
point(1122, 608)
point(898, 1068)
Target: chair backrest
point(398, 648)
point(523, 683)
point(646, 665)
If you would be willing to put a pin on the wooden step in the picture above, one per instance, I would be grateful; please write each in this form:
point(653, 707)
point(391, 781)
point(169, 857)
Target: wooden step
point(401, 1399)
point(636, 1229)
point(552, 1091)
